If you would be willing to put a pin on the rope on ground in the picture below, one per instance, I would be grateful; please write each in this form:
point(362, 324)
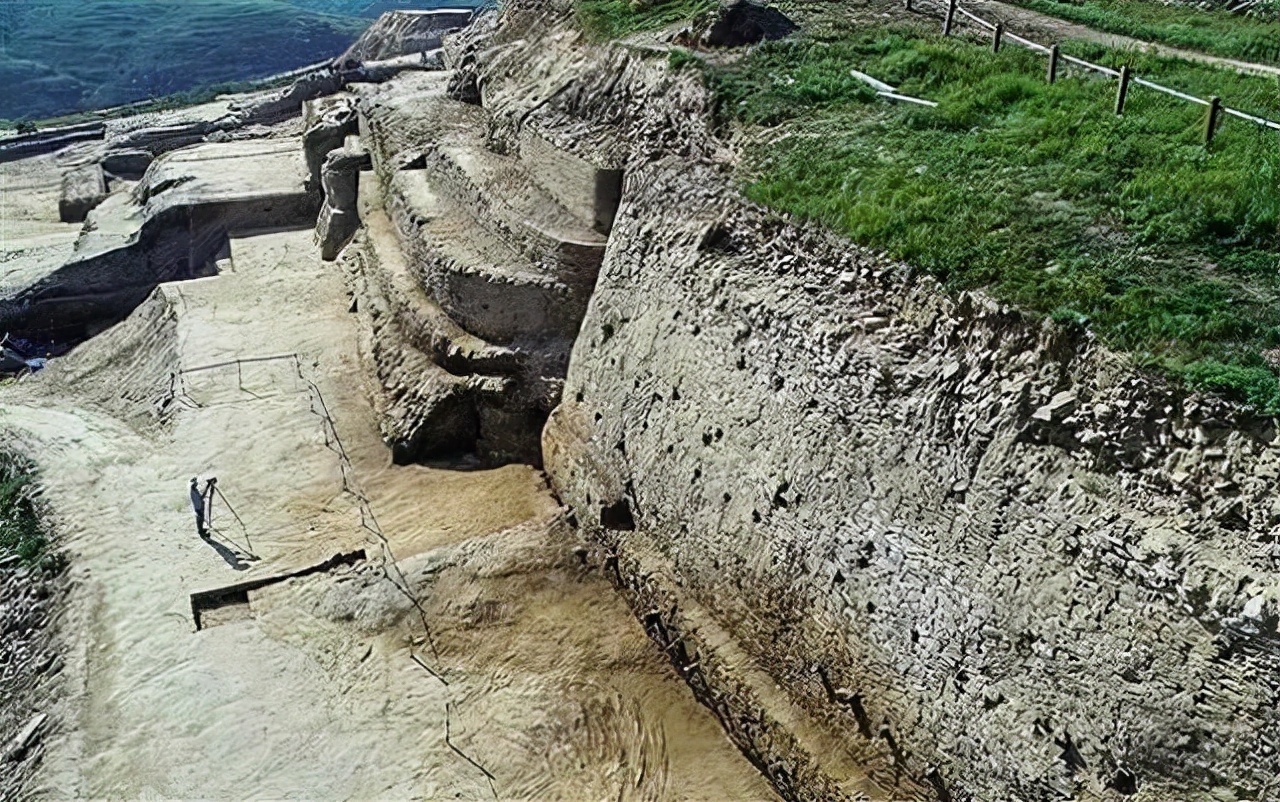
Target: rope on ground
point(368, 520)
point(390, 566)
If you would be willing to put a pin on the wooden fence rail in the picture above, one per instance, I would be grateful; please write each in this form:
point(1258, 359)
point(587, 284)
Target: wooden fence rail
point(1216, 109)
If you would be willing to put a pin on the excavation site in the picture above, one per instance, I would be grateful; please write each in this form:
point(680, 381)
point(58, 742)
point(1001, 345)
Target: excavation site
point(654, 400)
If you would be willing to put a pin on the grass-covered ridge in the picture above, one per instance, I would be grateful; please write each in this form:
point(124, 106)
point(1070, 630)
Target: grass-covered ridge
point(611, 19)
point(1211, 30)
point(21, 530)
point(1037, 192)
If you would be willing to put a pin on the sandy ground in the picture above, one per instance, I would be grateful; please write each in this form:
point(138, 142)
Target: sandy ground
point(342, 684)
point(33, 241)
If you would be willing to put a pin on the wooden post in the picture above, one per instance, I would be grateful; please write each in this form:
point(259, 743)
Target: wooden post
point(949, 22)
point(1053, 64)
point(997, 37)
point(1211, 124)
point(1123, 92)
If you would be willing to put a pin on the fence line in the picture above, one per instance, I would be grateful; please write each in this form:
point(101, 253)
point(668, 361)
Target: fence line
point(1216, 109)
point(1089, 65)
point(975, 17)
point(1027, 43)
point(1168, 91)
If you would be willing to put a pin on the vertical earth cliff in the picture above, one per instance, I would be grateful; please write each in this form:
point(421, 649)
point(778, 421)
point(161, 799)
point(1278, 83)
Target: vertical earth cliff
point(983, 554)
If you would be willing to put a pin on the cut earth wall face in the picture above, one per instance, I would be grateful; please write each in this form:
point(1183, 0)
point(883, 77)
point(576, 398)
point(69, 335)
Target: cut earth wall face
point(908, 510)
point(991, 556)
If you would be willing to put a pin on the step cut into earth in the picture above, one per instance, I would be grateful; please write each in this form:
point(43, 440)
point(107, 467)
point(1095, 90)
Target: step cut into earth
point(905, 543)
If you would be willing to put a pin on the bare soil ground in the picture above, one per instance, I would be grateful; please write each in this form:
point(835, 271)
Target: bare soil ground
point(481, 661)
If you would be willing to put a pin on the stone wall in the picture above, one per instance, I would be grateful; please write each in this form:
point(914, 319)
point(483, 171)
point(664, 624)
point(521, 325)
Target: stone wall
point(991, 558)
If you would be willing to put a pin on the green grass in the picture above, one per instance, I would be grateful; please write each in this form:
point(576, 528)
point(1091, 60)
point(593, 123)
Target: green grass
point(1215, 31)
point(21, 532)
point(611, 19)
point(1037, 193)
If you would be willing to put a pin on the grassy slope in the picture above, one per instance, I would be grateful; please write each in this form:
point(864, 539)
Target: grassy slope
point(21, 532)
point(1214, 31)
point(1036, 192)
point(611, 19)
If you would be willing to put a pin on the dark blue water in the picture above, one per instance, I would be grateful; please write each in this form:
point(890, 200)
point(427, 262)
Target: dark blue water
point(63, 56)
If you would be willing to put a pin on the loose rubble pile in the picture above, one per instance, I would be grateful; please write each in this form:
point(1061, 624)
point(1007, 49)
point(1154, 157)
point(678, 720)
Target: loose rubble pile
point(30, 668)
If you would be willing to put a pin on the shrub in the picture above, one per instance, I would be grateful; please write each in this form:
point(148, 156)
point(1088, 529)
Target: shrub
point(21, 531)
point(611, 19)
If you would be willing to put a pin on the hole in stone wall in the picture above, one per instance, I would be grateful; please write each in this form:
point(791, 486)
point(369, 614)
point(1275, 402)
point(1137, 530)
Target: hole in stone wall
point(617, 517)
point(939, 786)
point(779, 500)
point(608, 199)
point(1070, 754)
point(1124, 782)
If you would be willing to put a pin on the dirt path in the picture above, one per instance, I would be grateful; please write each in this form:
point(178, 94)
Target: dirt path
point(327, 686)
point(1048, 29)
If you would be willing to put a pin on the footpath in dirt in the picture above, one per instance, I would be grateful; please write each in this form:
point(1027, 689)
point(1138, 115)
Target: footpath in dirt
point(466, 654)
point(1049, 29)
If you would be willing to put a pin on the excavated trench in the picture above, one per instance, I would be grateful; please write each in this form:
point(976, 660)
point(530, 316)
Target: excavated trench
point(461, 640)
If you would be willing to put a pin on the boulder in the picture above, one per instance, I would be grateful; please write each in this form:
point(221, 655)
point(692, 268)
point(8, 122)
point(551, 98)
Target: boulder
point(339, 217)
point(82, 190)
point(743, 22)
point(130, 164)
point(403, 33)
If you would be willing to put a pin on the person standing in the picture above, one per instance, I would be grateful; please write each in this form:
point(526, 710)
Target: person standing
point(198, 504)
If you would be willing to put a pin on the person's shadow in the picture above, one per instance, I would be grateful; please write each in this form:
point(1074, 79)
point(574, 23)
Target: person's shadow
point(231, 557)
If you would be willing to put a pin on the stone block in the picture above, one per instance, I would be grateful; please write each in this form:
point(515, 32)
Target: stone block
point(82, 190)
